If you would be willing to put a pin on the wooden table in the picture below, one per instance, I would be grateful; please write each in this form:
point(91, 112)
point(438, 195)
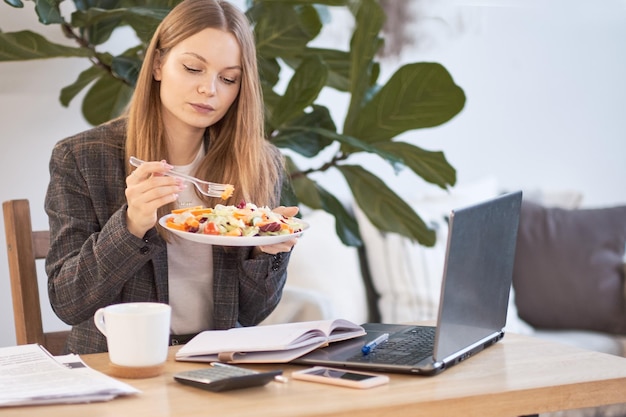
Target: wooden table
point(518, 376)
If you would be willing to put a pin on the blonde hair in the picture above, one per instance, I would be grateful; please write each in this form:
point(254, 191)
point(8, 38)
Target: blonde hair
point(237, 152)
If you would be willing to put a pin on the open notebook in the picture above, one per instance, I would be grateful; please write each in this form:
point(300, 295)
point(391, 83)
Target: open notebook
point(473, 304)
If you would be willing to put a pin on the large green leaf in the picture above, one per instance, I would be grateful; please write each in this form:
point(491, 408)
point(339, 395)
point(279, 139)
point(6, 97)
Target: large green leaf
point(15, 3)
point(287, 195)
point(283, 30)
point(304, 87)
point(158, 4)
point(84, 79)
point(48, 11)
point(105, 100)
point(269, 74)
point(82, 4)
point(338, 63)
point(100, 32)
point(304, 141)
point(127, 68)
point(418, 95)
point(346, 225)
point(144, 20)
point(270, 100)
point(431, 166)
point(384, 208)
point(101, 4)
point(363, 47)
point(306, 192)
point(269, 71)
point(296, 2)
point(25, 45)
point(314, 196)
point(100, 23)
point(94, 15)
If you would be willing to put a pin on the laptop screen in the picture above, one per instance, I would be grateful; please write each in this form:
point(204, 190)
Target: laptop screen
point(477, 274)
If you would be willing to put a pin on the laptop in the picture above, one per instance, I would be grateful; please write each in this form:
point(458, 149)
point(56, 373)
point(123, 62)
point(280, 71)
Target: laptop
point(473, 305)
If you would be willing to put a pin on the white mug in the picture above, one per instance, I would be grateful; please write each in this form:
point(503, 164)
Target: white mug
point(137, 333)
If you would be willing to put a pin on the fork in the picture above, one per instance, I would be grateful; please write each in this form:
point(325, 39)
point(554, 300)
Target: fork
point(210, 189)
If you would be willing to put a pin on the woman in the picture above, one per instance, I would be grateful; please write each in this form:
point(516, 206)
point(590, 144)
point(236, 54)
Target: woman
point(197, 108)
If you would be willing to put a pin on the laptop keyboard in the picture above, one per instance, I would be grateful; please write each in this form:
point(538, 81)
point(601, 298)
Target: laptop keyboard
point(407, 348)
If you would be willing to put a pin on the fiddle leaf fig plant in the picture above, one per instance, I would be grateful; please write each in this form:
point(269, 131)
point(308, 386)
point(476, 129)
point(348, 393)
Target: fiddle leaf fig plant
point(418, 95)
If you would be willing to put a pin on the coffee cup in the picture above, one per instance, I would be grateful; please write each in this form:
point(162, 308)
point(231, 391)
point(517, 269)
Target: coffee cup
point(137, 337)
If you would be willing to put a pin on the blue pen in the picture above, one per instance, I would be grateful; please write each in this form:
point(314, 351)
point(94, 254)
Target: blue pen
point(372, 345)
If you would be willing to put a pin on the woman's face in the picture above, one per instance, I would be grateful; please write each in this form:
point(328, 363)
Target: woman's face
point(200, 79)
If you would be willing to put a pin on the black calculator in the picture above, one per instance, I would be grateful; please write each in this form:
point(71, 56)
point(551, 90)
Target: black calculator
point(223, 377)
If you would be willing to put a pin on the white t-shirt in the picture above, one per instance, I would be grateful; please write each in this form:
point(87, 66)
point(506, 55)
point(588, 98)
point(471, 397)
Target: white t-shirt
point(190, 271)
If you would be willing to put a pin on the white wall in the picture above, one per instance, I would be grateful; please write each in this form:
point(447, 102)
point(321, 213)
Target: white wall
point(545, 93)
point(544, 82)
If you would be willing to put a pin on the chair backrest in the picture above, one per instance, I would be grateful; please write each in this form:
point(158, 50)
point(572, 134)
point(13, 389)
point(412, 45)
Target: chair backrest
point(24, 247)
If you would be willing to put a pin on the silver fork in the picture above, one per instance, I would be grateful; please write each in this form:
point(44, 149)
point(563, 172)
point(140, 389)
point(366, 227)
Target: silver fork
point(210, 189)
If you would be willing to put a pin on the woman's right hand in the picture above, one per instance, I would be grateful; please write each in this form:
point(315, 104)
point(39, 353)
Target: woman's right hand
point(148, 189)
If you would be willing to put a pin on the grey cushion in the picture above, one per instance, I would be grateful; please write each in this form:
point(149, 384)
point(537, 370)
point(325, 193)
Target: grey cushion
point(568, 268)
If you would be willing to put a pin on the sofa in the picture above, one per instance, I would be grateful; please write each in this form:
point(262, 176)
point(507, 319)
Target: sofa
point(568, 283)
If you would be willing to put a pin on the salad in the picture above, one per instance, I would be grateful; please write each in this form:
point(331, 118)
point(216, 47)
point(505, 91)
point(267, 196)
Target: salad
point(245, 219)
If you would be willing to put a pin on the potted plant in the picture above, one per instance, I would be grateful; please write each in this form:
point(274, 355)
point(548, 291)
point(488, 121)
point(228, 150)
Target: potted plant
point(418, 95)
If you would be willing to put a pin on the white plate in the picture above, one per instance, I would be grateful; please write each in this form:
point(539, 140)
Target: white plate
point(232, 240)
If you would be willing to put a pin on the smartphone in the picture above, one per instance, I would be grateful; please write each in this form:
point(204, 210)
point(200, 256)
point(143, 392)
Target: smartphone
point(343, 377)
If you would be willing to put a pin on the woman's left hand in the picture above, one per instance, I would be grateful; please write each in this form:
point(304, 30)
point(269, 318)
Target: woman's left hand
point(287, 245)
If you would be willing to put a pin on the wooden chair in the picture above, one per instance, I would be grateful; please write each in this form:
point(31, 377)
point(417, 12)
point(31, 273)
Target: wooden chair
point(24, 247)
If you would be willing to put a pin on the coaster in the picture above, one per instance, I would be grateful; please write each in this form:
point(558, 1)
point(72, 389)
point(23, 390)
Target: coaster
point(136, 372)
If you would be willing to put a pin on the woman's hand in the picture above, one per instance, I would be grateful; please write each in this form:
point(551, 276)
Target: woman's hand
point(282, 246)
point(147, 189)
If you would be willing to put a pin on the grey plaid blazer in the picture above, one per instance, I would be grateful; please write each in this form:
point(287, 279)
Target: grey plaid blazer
point(95, 261)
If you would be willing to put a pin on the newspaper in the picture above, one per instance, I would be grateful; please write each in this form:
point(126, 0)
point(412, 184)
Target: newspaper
point(30, 375)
